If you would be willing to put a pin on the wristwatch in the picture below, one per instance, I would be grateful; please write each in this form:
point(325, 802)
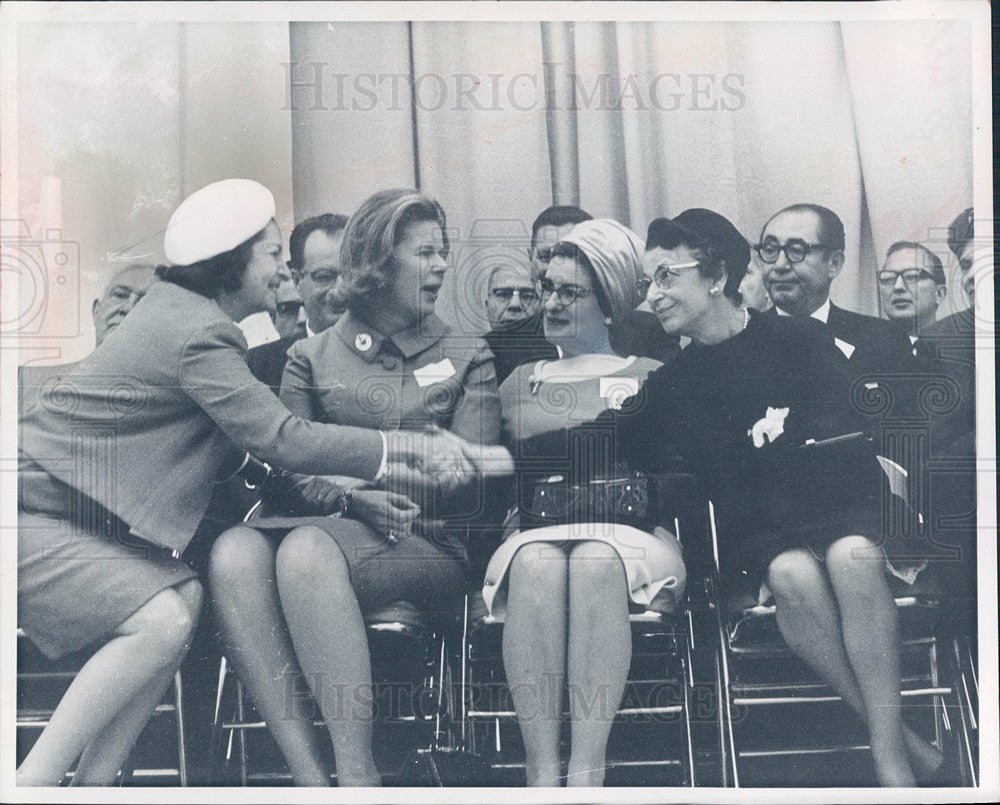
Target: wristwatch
point(344, 503)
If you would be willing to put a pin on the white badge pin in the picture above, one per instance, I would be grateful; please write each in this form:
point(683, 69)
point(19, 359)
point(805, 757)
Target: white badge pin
point(363, 341)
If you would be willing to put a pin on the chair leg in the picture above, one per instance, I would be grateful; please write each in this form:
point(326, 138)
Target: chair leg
point(181, 746)
point(241, 716)
point(967, 728)
point(687, 684)
point(216, 739)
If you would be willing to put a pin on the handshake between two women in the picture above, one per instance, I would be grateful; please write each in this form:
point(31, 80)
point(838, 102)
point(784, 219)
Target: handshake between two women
point(418, 462)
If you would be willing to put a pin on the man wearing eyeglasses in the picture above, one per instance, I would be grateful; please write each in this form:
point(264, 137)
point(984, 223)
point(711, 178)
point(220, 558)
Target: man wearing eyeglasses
point(314, 249)
point(911, 286)
point(288, 317)
point(514, 310)
point(802, 251)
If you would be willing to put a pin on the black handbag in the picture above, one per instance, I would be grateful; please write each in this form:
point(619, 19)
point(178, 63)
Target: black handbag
point(625, 499)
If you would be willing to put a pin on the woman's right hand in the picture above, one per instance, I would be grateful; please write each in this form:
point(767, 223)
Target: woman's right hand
point(386, 512)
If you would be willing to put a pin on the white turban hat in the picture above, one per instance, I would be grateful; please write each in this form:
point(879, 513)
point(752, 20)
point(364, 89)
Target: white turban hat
point(615, 252)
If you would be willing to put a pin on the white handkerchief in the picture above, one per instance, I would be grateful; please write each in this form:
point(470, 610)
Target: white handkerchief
point(847, 349)
point(618, 389)
point(434, 372)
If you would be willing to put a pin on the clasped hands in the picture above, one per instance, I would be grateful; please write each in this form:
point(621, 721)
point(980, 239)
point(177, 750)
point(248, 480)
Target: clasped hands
point(437, 460)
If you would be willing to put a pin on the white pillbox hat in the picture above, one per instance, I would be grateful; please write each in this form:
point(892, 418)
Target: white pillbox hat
point(217, 218)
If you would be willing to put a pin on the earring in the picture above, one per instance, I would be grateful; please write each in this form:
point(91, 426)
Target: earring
point(607, 321)
point(713, 290)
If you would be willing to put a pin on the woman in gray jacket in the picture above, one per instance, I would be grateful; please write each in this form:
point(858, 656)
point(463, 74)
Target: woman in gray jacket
point(117, 464)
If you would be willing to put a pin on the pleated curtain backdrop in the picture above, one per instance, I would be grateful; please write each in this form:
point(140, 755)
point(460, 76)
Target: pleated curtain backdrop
point(631, 120)
point(638, 120)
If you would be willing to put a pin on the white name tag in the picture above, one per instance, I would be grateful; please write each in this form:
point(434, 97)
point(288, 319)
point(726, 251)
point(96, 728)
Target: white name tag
point(847, 349)
point(618, 389)
point(434, 372)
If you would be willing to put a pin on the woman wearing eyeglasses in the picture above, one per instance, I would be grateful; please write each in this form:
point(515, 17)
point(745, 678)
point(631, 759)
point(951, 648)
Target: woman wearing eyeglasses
point(586, 548)
point(760, 408)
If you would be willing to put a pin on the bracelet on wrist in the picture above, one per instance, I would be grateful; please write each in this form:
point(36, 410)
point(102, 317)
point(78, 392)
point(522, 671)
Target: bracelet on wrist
point(344, 503)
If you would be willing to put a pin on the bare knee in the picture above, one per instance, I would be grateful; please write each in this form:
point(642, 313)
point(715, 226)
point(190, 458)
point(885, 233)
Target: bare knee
point(857, 573)
point(794, 577)
point(535, 569)
point(166, 620)
point(856, 554)
point(308, 557)
point(538, 563)
point(191, 594)
point(595, 565)
point(239, 556)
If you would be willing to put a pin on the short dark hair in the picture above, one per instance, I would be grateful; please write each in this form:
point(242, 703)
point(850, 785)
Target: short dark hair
point(715, 243)
point(937, 267)
point(210, 277)
point(557, 216)
point(961, 231)
point(328, 222)
point(831, 228)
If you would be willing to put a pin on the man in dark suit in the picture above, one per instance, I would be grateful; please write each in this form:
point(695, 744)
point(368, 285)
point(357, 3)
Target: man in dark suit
point(947, 347)
point(802, 248)
point(956, 331)
point(314, 249)
point(911, 287)
point(802, 251)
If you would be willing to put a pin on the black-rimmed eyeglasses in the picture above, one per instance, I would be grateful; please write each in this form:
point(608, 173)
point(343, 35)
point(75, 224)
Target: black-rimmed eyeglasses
point(289, 308)
point(795, 250)
point(911, 276)
point(566, 294)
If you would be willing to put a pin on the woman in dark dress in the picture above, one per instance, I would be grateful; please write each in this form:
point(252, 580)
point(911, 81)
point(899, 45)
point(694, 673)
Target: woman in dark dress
point(388, 363)
point(749, 404)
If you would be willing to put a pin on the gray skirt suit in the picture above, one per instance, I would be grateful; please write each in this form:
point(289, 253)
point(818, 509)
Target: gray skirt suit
point(426, 375)
point(118, 459)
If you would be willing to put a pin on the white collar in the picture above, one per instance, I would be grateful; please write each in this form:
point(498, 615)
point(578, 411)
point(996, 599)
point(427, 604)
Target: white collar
point(309, 331)
point(822, 313)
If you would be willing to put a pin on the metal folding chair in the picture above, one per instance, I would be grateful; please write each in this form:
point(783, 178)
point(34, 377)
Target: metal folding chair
point(409, 674)
point(159, 756)
point(652, 740)
point(784, 726)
